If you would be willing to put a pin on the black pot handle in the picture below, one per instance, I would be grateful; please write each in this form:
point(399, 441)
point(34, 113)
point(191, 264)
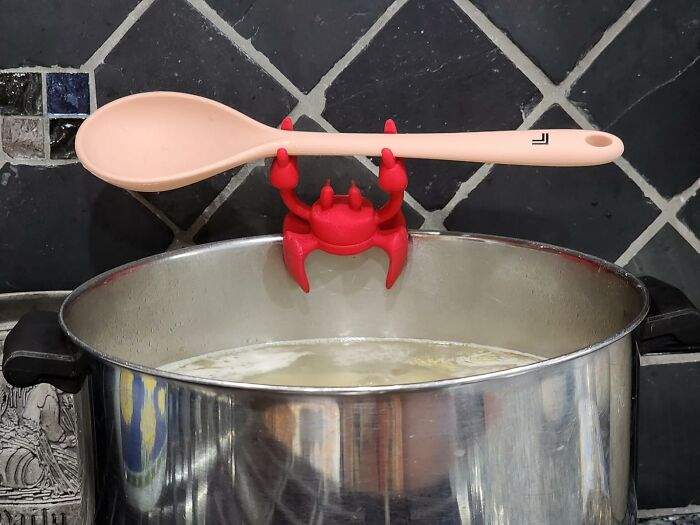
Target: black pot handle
point(36, 351)
point(673, 323)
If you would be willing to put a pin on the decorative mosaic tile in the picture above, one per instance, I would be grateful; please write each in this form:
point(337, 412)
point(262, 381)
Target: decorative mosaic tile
point(62, 133)
point(23, 138)
point(67, 93)
point(20, 93)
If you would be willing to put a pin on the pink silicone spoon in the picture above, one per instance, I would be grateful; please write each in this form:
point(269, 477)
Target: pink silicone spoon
point(162, 140)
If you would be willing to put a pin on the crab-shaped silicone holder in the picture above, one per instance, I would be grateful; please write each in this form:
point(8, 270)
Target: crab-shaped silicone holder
point(342, 224)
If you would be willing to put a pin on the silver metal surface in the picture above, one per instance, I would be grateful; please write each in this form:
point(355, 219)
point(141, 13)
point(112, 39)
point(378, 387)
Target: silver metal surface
point(42, 474)
point(543, 444)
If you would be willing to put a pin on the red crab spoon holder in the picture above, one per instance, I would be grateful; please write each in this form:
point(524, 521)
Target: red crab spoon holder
point(342, 224)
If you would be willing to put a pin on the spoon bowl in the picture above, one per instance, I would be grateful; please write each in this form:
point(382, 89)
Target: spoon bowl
point(160, 141)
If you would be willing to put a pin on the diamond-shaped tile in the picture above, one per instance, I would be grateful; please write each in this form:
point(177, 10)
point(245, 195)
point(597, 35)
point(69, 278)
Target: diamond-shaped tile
point(172, 47)
point(60, 226)
point(644, 87)
point(255, 208)
point(302, 38)
point(184, 205)
point(552, 33)
point(57, 33)
point(431, 69)
point(667, 256)
point(597, 210)
point(690, 214)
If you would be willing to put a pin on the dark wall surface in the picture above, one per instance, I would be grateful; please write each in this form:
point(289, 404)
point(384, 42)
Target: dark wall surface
point(628, 67)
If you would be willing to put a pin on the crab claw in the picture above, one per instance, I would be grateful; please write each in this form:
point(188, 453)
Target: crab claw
point(388, 159)
point(287, 124)
point(283, 173)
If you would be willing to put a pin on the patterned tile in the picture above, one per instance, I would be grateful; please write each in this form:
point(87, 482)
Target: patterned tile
point(62, 132)
point(23, 138)
point(552, 33)
point(431, 70)
point(690, 214)
point(20, 93)
point(57, 33)
point(644, 88)
point(67, 93)
point(255, 208)
point(184, 205)
point(670, 258)
point(596, 210)
point(74, 235)
point(304, 38)
point(173, 48)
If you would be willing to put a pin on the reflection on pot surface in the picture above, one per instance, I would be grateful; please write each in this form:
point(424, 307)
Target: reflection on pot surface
point(143, 424)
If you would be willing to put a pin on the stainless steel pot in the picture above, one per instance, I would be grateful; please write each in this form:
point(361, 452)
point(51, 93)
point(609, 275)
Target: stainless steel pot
point(547, 443)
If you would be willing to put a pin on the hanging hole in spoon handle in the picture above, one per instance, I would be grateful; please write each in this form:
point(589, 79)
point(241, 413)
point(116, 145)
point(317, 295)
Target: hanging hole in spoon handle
point(598, 140)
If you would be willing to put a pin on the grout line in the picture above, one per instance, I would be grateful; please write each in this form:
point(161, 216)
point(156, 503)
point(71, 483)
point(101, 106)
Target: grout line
point(246, 47)
point(156, 211)
point(214, 205)
point(42, 69)
point(558, 94)
point(372, 167)
point(608, 36)
point(92, 88)
point(318, 92)
point(45, 118)
point(50, 163)
point(667, 216)
point(640, 242)
point(437, 217)
point(508, 48)
point(108, 45)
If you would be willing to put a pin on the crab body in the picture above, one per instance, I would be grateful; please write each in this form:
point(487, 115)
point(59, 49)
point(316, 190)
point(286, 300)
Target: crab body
point(342, 224)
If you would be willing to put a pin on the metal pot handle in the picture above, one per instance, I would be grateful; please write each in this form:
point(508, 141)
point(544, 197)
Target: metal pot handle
point(36, 351)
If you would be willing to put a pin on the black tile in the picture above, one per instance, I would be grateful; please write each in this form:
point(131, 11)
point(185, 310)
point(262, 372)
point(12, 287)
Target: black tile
point(255, 208)
point(596, 210)
point(62, 132)
point(20, 93)
point(184, 205)
point(431, 70)
point(304, 38)
point(67, 93)
point(690, 214)
point(57, 33)
point(644, 87)
point(60, 226)
point(552, 33)
point(172, 47)
point(667, 256)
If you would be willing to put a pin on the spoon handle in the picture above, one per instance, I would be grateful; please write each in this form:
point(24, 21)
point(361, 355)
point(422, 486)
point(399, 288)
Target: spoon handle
point(547, 147)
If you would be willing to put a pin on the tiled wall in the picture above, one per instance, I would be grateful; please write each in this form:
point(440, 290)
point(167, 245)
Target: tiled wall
point(631, 67)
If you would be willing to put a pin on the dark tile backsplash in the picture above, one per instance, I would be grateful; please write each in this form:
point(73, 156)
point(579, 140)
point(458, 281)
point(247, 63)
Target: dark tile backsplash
point(439, 65)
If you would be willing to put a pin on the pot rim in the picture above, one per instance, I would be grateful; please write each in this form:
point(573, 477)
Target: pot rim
point(602, 265)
